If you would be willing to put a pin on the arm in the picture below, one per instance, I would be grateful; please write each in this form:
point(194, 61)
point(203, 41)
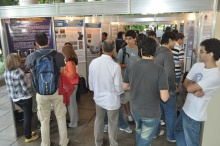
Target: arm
point(70, 70)
point(126, 86)
point(191, 86)
point(182, 65)
point(164, 95)
point(22, 80)
point(90, 78)
point(120, 57)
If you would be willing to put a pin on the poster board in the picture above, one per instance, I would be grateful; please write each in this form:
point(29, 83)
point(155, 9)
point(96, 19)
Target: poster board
point(21, 32)
point(93, 39)
point(70, 31)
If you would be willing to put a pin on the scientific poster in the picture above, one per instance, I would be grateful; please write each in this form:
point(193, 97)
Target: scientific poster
point(71, 31)
point(207, 19)
point(93, 39)
point(21, 32)
point(114, 31)
point(189, 29)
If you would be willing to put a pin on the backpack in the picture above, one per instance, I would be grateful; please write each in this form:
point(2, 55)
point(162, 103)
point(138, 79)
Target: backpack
point(124, 54)
point(82, 85)
point(44, 73)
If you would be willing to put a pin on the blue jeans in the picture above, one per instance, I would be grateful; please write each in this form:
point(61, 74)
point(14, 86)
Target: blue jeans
point(121, 122)
point(145, 129)
point(187, 131)
point(26, 105)
point(170, 110)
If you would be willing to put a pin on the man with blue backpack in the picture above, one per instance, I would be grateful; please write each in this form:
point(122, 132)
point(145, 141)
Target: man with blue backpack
point(45, 64)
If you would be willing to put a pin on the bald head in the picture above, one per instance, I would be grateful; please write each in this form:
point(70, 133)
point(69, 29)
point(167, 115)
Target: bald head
point(108, 45)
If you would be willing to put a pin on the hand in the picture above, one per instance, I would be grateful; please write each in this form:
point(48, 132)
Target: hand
point(199, 93)
point(62, 69)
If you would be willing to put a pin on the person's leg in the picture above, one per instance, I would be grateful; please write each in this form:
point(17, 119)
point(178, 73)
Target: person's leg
point(192, 130)
point(148, 130)
point(170, 110)
point(179, 132)
point(106, 119)
point(137, 129)
point(113, 126)
point(121, 122)
point(26, 105)
point(73, 109)
point(99, 125)
point(43, 112)
point(60, 113)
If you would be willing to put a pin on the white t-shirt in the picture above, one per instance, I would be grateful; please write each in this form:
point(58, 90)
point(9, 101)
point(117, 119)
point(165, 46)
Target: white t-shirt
point(106, 82)
point(209, 81)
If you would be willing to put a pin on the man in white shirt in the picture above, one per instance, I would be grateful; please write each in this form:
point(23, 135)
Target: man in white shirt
point(106, 82)
point(201, 83)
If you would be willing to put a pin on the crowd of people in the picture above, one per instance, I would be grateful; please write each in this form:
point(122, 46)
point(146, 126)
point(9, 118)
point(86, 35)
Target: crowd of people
point(135, 72)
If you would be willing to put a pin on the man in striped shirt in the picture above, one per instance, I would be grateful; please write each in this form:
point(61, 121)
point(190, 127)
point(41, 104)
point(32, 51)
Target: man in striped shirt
point(178, 56)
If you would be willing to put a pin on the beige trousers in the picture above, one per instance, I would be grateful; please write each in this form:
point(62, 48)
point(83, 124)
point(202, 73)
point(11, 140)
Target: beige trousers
point(43, 105)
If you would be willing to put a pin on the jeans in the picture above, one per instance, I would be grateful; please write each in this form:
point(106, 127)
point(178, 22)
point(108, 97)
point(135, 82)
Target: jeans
point(112, 126)
point(26, 105)
point(145, 129)
point(121, 122)
point(187, 131)
point(170, 110)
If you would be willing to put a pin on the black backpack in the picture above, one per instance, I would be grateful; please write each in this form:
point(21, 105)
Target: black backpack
point(82, 85)
point(124, 54)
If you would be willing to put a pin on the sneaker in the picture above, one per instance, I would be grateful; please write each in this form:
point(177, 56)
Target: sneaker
point(162, 123)
point(35, 137)
point(127, 130)
point(160, 134)
point(171, 140)
point(105, 129)
point(130, 120)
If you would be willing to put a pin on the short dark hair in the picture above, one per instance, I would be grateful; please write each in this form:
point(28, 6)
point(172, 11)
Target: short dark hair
point(41, 38)
point(212, 45)
point(166, 36)
point(108, 45)
point(147, 46)
point(168, 29)
point(130, 33)
point(152, 33)
point(105, 34)
point(119, 35)
point(180, 36)
point(175, 31)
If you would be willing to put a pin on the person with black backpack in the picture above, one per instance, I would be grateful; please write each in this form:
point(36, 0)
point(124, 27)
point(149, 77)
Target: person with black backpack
point(45, 64)
point(128, 55)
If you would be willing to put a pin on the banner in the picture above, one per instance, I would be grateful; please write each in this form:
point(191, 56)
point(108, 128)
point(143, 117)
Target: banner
point(21, 32)
point(71, 31)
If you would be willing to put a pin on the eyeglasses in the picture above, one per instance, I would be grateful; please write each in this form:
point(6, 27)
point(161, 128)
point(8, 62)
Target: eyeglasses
point(201, 52)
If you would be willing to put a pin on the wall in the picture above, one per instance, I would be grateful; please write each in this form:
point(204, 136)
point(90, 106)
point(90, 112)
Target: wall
point(211, 129)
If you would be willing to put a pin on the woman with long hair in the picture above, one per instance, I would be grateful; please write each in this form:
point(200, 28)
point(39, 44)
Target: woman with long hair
point(70, 72)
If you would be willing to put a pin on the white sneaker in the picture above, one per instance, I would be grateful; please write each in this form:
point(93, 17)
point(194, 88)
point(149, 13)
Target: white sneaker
point(127, 130)
point(160, 134)
point(105, 129)
point(162, 123)
point(171, 140)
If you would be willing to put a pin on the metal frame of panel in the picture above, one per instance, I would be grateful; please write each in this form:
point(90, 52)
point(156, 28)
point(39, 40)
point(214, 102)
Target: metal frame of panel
point(66, 9)
point(170, 6)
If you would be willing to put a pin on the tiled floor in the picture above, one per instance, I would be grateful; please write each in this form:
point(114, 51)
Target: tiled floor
point(80, 136)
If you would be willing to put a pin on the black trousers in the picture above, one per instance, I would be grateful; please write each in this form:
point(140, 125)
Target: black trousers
point(26, 105)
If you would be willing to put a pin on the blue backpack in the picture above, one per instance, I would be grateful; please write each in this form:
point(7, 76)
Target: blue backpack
point(44, 73)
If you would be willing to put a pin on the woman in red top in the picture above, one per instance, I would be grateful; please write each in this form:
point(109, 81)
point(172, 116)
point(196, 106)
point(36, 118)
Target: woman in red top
point(70, 72)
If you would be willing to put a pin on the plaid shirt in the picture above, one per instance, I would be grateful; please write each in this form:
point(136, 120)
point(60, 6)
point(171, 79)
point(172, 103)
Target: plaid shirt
point(17, 85)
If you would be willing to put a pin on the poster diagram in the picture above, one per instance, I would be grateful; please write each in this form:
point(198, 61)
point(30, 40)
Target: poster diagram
point(71, 31)
point(93, 39)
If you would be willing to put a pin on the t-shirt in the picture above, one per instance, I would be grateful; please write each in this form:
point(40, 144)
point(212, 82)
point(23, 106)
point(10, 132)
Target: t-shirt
point(133, 56)
point(209, 81)
point(178, 55)
point(146, 79)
